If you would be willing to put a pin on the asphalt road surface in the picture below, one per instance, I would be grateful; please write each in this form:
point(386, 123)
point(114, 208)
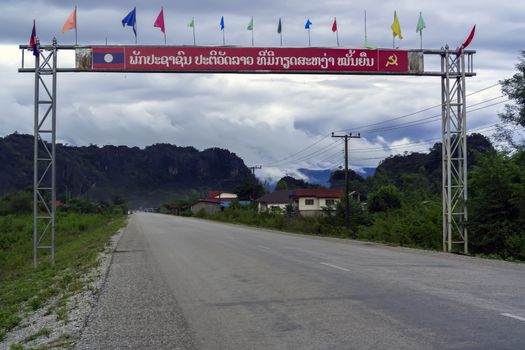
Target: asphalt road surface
point(180, 283)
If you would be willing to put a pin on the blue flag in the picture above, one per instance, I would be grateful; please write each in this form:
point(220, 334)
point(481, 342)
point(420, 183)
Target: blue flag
point(131, 20)
point(222, 23)
point(308, 24)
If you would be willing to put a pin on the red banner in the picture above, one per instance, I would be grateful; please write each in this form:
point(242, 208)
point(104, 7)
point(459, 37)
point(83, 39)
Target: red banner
point(248, 59)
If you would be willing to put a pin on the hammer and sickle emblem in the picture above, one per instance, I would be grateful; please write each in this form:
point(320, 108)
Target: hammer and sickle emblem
point(392, 61)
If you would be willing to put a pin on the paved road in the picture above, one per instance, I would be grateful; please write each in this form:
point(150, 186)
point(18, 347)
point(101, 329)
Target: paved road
point(179, 283)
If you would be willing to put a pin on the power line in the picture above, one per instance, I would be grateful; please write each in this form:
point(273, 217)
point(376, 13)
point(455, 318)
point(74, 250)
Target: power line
point(494, 126)
point(300, 151)
point(319, 152)
point(324, 150)
point(386, 129)
point(417, 112)
point(426, 120)
point(423, 142)
point(312, 154)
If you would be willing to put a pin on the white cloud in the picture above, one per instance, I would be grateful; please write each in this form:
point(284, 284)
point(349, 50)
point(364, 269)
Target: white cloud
point(262, 118)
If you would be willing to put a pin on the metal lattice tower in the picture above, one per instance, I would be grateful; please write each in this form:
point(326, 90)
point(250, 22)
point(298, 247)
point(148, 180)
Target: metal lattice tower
point(454, 149)
point(44, 179)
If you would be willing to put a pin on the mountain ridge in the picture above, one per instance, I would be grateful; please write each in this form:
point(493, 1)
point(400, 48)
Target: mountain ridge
point(144, 177)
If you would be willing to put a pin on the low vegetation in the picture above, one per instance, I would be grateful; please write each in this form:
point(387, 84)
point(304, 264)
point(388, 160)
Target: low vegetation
point(83, 230)
point(404, 208)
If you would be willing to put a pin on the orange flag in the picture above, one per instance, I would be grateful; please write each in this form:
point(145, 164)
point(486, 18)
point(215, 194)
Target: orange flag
point(71, 21)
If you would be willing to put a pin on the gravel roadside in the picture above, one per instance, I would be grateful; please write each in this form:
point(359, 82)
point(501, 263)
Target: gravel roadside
point(43, 329)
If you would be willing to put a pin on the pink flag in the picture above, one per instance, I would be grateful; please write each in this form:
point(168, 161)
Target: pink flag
point(71, 21)
point(159, 22)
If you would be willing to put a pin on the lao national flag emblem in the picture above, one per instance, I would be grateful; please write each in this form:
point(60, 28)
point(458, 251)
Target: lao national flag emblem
point(108, 58)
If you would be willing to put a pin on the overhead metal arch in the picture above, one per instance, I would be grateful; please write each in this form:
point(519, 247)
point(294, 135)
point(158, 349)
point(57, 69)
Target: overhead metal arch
point(455, 67)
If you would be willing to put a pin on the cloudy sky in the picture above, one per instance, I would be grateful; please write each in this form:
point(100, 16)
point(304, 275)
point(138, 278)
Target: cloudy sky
point(279, 121)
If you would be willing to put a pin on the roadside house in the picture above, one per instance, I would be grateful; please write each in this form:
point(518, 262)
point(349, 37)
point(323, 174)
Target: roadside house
point(216, 201)
point(222, 196)
point(312, 201)
point(306, 201)
point(209, 206)
point(278, 199)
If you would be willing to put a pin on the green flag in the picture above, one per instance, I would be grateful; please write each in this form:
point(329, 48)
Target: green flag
point(250, 25)
point(420, 24)
point(192, 23)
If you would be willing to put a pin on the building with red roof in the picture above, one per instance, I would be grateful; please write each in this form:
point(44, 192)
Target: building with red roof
point(306, 201)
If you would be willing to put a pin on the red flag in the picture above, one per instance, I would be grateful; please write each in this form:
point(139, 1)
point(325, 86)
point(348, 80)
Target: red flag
point(334, 26)
point(159, 22)
point(32, 40)
point(71, 21)
point(469, 39)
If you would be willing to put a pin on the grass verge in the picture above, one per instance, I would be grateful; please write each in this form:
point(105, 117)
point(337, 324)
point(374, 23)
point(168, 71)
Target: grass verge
point(79, 239)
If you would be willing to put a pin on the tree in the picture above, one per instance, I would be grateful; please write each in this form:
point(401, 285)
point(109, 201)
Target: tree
point(290, 183)
point(384, 198)
point(249, 189)
point(497, 205)
point(514, 115)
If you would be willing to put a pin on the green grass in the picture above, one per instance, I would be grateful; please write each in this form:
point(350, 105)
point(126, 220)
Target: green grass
point(41, 333)
point(79, 239)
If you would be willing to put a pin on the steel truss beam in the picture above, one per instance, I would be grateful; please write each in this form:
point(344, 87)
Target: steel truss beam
point(44, 179)
point(454, 151)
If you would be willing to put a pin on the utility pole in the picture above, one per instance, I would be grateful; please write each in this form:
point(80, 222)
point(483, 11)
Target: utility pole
point(347, 198)
point(255, 167)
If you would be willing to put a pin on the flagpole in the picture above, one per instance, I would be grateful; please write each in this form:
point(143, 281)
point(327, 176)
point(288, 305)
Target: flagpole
point(366, 40)
point(420, 32)
point(309, 44)
point(164, 32)
point(336, 31)
point(193, 27)
point(393, 41)
point(281, 30)
point(76, 27)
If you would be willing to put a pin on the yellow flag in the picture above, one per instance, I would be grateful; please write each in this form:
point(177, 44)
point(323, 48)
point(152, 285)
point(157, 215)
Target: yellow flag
point(396, 27)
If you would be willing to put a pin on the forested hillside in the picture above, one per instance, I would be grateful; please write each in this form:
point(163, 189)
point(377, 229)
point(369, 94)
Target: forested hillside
point(144, 177)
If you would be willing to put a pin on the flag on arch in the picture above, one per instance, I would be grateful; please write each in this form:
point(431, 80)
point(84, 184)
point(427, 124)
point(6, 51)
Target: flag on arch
point(468, 41)
point(334, 25)
point(131, 20)
point(308, 24)
point(250, 25)
point(420, 24)
point(159, 22)
point(279, 27)
point(222, 23)
point(191, 24)
point(396, 27)
point(71, 21)
point(32, 40)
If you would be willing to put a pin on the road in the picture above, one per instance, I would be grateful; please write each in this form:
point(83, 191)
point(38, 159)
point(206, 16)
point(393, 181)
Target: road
point(182, 283)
